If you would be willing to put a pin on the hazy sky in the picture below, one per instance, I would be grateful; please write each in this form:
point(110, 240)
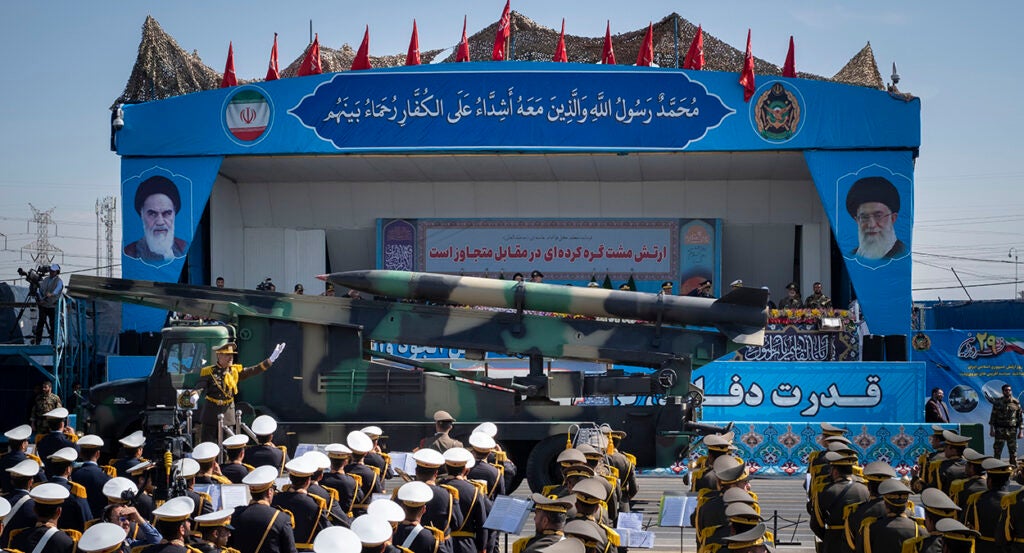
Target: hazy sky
point(66, 61)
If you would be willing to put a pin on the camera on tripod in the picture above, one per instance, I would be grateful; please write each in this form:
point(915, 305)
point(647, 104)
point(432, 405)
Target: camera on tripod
point(165, 430)
point(34, 277)
point(266, 286)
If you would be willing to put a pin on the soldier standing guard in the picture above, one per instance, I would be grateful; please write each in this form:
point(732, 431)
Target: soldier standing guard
point(219, 383)
point(45, 402)
point(440, 441)
point(1005, 424)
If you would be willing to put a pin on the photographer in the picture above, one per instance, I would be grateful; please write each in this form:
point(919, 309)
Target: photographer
point(50, 289)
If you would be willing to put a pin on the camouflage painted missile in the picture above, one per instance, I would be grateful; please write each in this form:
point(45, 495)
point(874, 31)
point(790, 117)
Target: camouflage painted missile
point(741, 315)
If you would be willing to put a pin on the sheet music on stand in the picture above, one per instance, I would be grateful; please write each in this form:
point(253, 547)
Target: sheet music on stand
point(402, 460)
point(675, 510)
point(234, 495)
point(508, 514)
point(212, 490)
point(631, 531)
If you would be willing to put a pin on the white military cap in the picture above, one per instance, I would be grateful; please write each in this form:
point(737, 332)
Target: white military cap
point(373, 432)
point(19, 433)
point(359, 442)
point(187, 468)
point(372, 530)
point(261, 478)
point(58, 413)
point(28, 467)
point(117, 486)
point(5, 507)
point(319, 458)
point(481, 441)
point(216, 518)
point(175, 509)
point(136, 470)
point(301, 466)
point(206, 451)
point(388, 509)
point(49, 494)
point(337, 539)
point(133, 440)
point(236, 441)
point(101, 537)
point(488, 428)
point(264, 425)
point(337, 451)
point(90, 440)
point(429, 458)
point(459, 457)
point(415, 494)
point(64, 454)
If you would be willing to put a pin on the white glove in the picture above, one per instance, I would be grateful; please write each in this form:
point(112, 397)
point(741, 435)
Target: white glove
point(277, 352)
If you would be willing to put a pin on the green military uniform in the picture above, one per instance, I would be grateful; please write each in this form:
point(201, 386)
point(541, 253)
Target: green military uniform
point(818, 301)
point(44, 403)
point(1005, 425)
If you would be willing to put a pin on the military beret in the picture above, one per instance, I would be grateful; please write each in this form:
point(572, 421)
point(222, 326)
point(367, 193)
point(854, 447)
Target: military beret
point(260, 479)
point(954, 439)
point(557, 505)
point(590, 490)
point(586, 530)
point(571, 456)
point(221, 518)
point(892, 486)
point(157, 184)
point(386, 508)
point(19, 433)
point(49, 494)
point(337, 539)
point(872, 189)
point(938, 503)
point(175, 509)
point(372, 530)
point(459, 457)
point(206, 451)
point(264, 425)
point(359, 442)
point(730, 469)
point(116, 487)
point(101, 537)
point(58, 413)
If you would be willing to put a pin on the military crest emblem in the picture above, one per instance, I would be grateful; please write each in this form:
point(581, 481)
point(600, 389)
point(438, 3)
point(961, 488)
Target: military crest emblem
point(777, 113)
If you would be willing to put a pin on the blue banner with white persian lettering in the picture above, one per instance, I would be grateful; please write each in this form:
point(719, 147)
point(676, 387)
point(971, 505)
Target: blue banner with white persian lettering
point(862, 392)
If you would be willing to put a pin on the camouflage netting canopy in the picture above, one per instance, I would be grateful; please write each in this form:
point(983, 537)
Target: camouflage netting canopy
point(163, 69)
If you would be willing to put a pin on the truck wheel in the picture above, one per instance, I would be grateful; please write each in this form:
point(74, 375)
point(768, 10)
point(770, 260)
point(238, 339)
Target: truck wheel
point(541, 468)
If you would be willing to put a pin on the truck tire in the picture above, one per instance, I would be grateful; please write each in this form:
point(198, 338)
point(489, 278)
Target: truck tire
point(541, 468)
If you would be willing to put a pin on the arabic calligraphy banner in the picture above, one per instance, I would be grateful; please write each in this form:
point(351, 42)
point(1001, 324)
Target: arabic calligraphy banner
point(970, 367)
point(863, 392)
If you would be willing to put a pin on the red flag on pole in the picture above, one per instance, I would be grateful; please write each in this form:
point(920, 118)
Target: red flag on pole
point(272, 72)
point(229, 69)
point(500, 51)
point(560, 53)
point(463, 52)
point(311, 63)
point(646, 55)
point(789, 69)
point(695, 56)
point(413, 57)
point(747, 76)
point(608, 53)
point(362, 60)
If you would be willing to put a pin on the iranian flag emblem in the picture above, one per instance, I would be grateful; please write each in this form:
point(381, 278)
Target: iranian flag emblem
point(248, 115)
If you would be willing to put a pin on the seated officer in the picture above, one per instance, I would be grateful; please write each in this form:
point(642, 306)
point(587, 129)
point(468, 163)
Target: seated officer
point(308, 511)
point(215, 529)
point(593, 536)
point(205, 454)
point(374, 534)
point(258, 526)
point(235, 469)
point(172, 523)
point(131, 452)
point(410, 534)
point(265, 452)
point(90, 474)
point(887, 534)
point(549, 517)
point(47, 501)
point(752, 541)
point(75, 512)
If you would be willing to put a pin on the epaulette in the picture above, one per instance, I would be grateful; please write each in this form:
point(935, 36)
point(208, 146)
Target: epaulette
point(613, 536)
point(437, 532)
point(89, 523)
point(957, 486)
point(500, 456)
point(753, 495)
point(614, 472)
point(78, 490)
point(452, 490)
point(10, 537)
point(630, 457)
point(75, 535)
point(1010, 499)
point(403, 549)
point(913, 545)
point(229, 550)
point(769, 536)
point(702, 496)
point(10, 550)
point(519, 545)
point(858, 470)
point(848, 509)
point(614, 481)
point(974, 497)
point(221, 479)
point(34, 458)
point(206, 371)
point(109, 470)
point(193, 549)
point(321, 502)
point(251, 468)
point(359, 480)
point(707, 532)
point(480, 485)
point(332, 492)
point(206, 497)
point(812, 456)
point(291, 517)
point(376, 470)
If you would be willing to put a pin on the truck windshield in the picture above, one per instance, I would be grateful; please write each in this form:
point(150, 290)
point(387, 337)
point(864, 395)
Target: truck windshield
point(186, 358)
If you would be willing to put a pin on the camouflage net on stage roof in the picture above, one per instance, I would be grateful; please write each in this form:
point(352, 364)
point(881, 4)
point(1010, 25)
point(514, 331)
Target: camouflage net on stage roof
point(163, 69)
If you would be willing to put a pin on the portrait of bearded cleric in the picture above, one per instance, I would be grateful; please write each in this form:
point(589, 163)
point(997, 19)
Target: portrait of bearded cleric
point(158, 202)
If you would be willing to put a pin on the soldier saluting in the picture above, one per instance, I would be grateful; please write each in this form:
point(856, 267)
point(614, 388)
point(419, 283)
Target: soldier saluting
point(219, 384)
point(1005, 424)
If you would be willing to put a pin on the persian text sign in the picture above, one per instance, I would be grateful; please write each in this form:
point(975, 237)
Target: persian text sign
point(556, 109)
point(559, 248)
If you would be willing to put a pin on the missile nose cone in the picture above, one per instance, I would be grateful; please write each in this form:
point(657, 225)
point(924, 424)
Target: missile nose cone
point(322, 277)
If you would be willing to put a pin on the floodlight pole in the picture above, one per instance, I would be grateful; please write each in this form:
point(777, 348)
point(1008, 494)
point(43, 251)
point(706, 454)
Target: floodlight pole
point(1016, 264)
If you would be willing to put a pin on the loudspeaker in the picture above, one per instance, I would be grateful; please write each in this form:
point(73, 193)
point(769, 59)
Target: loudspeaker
point(874, 348)
point(896, 347)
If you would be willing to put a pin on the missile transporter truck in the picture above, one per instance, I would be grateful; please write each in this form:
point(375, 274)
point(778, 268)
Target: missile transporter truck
point(329, 380)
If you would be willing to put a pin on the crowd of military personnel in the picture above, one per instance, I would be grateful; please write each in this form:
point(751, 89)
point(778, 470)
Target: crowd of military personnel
point(66, 496)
